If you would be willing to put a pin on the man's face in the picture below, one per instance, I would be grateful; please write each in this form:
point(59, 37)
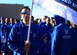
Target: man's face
point(25, 14)
point(46, 20)
point(11, 20)
point(6, 20)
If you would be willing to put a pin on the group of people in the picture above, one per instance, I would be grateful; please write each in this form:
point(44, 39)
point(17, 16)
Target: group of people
point(5, 27)
point(52, 36)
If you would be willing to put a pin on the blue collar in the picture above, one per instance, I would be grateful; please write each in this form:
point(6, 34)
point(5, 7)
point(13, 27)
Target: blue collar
point(22, 24)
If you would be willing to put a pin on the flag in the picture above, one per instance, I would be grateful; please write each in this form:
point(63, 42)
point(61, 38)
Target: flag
point(51, 6)
point(57, 8)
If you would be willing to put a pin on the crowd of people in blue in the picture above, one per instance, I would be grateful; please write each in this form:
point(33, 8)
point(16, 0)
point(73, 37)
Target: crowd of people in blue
point(52, 36)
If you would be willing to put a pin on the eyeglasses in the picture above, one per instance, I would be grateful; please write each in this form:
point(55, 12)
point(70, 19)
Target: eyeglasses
point(28, 13)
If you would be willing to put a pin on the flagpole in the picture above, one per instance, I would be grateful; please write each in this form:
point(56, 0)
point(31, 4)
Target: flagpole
point(30, 22)
point(28, 36)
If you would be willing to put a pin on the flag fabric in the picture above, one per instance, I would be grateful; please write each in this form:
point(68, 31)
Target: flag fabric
point(57, 8)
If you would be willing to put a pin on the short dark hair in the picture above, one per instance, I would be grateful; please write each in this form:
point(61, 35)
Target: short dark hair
point(45, 17)
point(27, 7)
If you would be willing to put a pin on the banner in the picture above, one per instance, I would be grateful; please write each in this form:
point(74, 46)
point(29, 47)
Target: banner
point(51, 6)
point(58, 8)
point(70, 3)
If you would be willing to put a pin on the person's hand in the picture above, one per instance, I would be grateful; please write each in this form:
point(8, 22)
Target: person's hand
point(27, 46)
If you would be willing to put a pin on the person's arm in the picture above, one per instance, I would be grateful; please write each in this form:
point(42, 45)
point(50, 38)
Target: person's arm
point(54, 41)
point(14, 42)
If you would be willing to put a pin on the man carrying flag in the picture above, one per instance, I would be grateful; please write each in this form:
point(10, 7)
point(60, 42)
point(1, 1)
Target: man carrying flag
point(18, 41)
